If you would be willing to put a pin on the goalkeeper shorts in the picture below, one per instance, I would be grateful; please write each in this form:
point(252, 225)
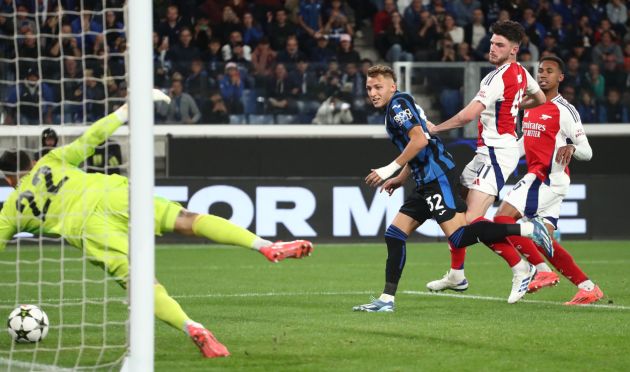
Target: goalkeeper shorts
point(106, 232)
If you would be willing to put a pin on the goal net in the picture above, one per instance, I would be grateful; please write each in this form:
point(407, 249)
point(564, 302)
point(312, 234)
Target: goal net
point(62, 66)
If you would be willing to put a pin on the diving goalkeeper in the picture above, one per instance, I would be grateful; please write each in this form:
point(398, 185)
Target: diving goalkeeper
point(90, 210)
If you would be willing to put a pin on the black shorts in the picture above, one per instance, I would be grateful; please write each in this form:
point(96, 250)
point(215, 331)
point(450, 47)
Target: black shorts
point(438, 199)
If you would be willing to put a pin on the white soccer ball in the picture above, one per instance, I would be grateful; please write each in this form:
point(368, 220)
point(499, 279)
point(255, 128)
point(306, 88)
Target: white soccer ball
point(27, 323)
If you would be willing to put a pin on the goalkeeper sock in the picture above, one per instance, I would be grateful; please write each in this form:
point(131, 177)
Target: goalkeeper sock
point(167, 309)
point(223, 231)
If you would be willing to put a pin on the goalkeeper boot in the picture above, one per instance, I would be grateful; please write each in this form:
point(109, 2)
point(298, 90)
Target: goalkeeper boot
point(585, 297)
point(520, 283)
point(209, 346)
point(376, 306)
point(543, 279)
point(448, 281)
point(541, 236)
point(278, 251)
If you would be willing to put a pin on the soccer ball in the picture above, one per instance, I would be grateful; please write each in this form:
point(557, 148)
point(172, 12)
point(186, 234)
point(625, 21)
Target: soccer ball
point(27, 323)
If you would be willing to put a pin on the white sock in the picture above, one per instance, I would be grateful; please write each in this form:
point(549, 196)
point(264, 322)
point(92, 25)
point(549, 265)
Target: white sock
point(386, 298)
point(587, 284)
point(527, 229)
point(259, 243)
point(543, 267)
point(458, 275)
point(521, 266)
point(187, 322)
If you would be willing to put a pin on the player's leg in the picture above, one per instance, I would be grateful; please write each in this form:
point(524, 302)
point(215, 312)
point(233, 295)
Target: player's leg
point(588, 292)
point(171, 216)
point(105, 242)
point(411, 215)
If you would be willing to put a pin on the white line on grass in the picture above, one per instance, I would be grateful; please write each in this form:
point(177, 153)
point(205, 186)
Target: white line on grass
point(342, 293)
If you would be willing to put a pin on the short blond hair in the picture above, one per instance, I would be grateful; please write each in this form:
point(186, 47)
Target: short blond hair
point(386, 71)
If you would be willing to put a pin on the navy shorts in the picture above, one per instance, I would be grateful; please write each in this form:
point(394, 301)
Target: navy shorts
point(438, 199)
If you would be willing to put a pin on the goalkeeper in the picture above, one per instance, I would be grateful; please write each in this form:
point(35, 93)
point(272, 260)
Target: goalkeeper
point(53, 196)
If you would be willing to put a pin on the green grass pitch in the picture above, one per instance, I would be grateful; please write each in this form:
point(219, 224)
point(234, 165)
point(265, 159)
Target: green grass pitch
point(296, 315)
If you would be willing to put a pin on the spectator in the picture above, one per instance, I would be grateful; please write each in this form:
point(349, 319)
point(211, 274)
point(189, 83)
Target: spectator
point(587, 107)
point(30, 106)
point(595, 11)
point(338, 23)
point(533, 28)
point(612, 73)
point(236, 38)
point(531, 48)
point(475, 30)
point(171, 26)
point(463, 53)
point(626, 57)
point(310, 18)
point(305, 86)
point(107, 158)
point(569, 10)
point(252, 34)
point(573, 74)
point(562, 34)
point(88, 27)
point(94, 96)
point(280, 30)
point(279, 92)
point(412, 14)
point(346, 52)
point(232, 86)
point(160, 65)
point(291, 54)
point(182, 53)
point(263, 59)
point(426, 38)
point(613, 111)
point(202, 33)
point(439, 8)
point(568, 93)
point(550, 45)
point(28, 52)
point(198, 83)
point(607, 46)
point(113, 28)
point(182, 109)
point(353, 88)
point(322, 54)
point(595, 81)
point(49, 141)
point(617, 14)
point(231, 22)
point(333, 111)
point(464, 11)
point(604, 26)
point(453, 31)
point(585, 33)
point(72, 104)
point(214, 57)
point(330, 81)
point(215, 112)
point(397, 37)
point(382, 19)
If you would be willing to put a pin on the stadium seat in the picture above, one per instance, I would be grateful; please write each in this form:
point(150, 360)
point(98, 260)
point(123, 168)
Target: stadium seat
point(286, 119)
point(260, 119)
point(238, 119)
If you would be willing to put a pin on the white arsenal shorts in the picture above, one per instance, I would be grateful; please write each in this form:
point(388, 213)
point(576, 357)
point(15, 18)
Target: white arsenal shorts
point(489, 170)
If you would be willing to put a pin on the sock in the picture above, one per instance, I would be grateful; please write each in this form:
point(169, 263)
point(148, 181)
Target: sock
point(507, 252)
point(386, 298)
point(563, 261)
point(396, 256)
point(458, 255)
point(482, 230)
point(167, 309)
point(587, 284)
point(260, 242)
point(458, 275)
point(524, 245)
point(527, 229)
point(543, 267)
point(223, 231)
point(187, 322)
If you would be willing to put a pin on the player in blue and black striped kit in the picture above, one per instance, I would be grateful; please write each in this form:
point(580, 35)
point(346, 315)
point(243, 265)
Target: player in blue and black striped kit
point(425, 159)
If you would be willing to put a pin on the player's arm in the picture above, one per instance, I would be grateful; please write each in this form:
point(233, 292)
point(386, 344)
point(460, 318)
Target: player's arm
point(417, 141)
point(83, 147)
point(465, 116)
point(395, 182)
point(534, 100)
point(7, 229)
point(579, 147)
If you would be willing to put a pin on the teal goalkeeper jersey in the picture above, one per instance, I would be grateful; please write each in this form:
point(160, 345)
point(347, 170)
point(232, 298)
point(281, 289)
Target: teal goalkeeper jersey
point(56, 197)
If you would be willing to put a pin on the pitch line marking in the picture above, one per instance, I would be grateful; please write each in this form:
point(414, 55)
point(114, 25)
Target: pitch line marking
point(340, 293)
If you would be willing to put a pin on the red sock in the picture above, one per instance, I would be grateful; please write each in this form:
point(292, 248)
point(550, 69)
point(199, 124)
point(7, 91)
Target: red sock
point(503, 249)
point(563, 261)
point(524, 245)
point(458, 255)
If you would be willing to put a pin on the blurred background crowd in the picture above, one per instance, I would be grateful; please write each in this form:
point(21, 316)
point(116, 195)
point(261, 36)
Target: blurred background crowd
point(293, 61)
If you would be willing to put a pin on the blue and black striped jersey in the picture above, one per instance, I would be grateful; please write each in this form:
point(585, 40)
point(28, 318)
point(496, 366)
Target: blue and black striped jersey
point(401, 115)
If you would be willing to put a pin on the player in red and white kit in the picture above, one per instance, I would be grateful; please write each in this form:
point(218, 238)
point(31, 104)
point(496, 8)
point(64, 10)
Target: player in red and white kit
point(496, 104)
point(552, 134)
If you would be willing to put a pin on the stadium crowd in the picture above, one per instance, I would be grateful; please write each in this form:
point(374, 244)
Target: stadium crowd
point(292, 61)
